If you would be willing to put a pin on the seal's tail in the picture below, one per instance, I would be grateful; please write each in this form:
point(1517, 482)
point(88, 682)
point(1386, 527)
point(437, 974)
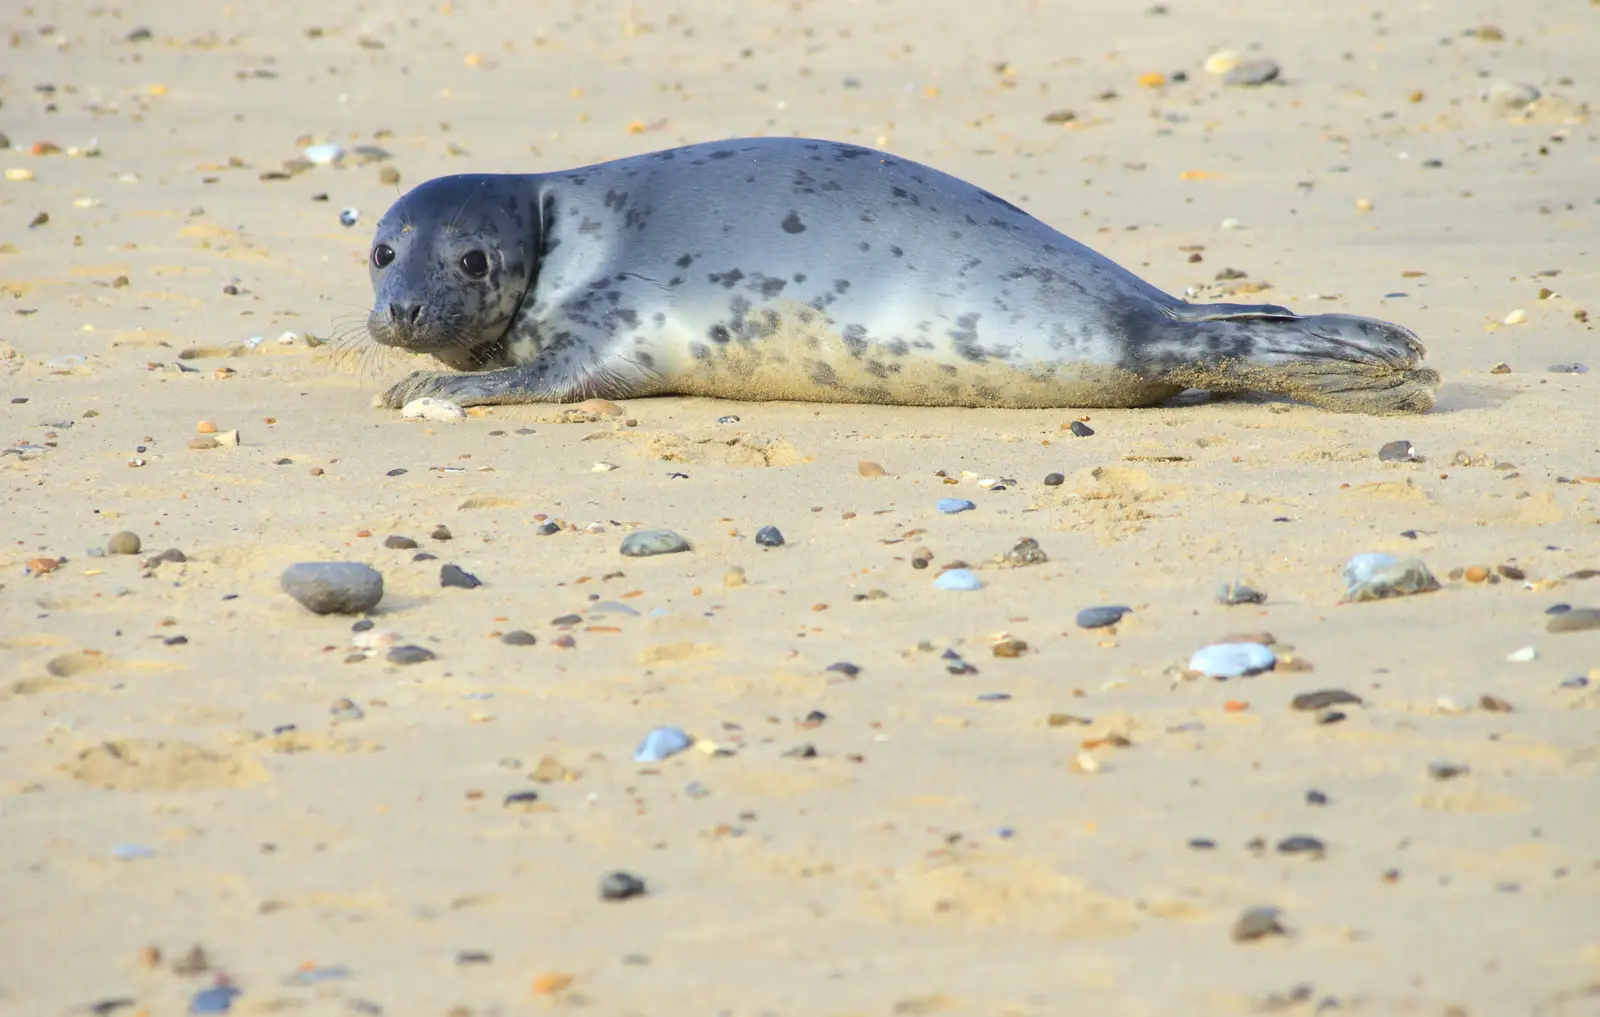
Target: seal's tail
point(1338, 361)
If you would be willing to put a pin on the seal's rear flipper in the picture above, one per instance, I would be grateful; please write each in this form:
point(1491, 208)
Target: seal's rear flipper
point(1337, 361)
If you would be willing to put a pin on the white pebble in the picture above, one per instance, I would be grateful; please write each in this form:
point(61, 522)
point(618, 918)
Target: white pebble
point(603, 467)
point(323, 155)
point(429, 408)
point(1516, 317)
point(1523, 656)
point(288, 338)
point(1232, 660)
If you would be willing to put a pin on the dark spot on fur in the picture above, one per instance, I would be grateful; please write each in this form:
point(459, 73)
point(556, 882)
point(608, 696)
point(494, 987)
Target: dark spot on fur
point(822, 374)
point(799, 277)
point(897, 250)
point(700, 351)
point(792, 223)
point(1000, 201)
point(685, 261)
point(840, 286)
point(768, 286)
point(723, 153)
point(855, 339)
point(863, 247)
point(719, 333)
point(644, 360)
point(728, 279)
point(615, 200)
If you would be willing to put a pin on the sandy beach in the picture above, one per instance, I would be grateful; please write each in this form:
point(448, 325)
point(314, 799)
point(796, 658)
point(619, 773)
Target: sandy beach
point(899, 799)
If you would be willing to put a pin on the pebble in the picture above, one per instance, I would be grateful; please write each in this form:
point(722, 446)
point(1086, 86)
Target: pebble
point(1232, 660)
point(1100, 617)
point(1236, 593)
point(440, 532)
point(662, 743)
point(729, 419)
point(1400, 451)
point(769, 536)
point(1516, 317)
point(1578, 619)
point(1054, 479)
point(652, 542)
point(124, 542)
point(844, 667)
point(345, 709)
point(1364, 566)
point(868, 468)
point(520, 799)
point(1315, 797)
point(1448, 771)
point(1026, 552)
point(1257, 923)
point(409, 655)
point(1570, 368)
point(950, 506)
point(1081, 429)
point(217, 999)
point(1249, 73)
point(1302, 846)
point(456, 576)
point(349, 216)
point(429, 408)
point(322, 155)
point(1510, 96)
point(171, 554)
point(1324, 698)
point(334, 587)
point(1523, 655)
point(399, 543)
point(621, 886)
point(958, 579)
point(1395, 579)
point(519, 637)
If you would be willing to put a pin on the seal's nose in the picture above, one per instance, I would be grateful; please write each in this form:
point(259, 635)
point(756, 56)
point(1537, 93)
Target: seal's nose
point(405, 312)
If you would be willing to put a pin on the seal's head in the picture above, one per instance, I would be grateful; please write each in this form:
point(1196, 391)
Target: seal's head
point(450, 264)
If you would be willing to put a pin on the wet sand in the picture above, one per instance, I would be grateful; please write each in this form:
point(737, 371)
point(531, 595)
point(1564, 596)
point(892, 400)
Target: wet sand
point(944, 851)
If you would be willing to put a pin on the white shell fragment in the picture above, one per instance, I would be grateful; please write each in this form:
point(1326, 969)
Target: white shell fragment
point(429, 408)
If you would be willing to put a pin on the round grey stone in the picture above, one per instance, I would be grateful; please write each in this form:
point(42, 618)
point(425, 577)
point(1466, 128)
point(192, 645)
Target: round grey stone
point(333, 587)
point(651, 542)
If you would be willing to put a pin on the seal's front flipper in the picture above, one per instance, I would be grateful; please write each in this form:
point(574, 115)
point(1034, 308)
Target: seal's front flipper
point(547, 380)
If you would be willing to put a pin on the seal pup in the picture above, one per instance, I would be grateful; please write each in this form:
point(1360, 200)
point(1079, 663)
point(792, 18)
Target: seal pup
point(788, 268)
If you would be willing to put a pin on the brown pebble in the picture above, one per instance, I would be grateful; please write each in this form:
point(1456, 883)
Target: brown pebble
point(1493, 704)
point(206, 427)
point(388, 175)
point(868, 468)
point(202, 443)
point(316, 471)
point(39, 566)
point(1456, 573)
point(1010, 648)
point(223, 373)
point(1476, 574)
point(599, 407)
point(1511, 572)
point(124, 542)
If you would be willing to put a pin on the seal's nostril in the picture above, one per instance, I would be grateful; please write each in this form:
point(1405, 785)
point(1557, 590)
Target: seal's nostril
point(416, 312)
point(405, 313)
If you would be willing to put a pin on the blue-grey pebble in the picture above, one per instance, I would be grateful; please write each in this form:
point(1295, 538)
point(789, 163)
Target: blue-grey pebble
point(651, 542)
point(217, 999)
point(1100, 617)
point(950, 506)
point(333, 587)
point(660, 744)
point(958, 579)
point(769, 536)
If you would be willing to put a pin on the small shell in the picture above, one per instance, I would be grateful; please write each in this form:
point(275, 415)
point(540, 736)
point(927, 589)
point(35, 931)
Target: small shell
point(429, 408)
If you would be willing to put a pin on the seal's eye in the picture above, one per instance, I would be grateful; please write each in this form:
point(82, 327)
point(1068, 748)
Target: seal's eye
point(475, 264)
point(382, 256)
